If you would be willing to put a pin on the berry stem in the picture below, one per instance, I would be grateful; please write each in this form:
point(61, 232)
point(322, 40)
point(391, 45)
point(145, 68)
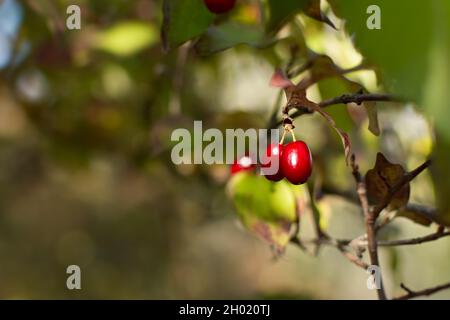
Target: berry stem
point(283, 136)
point(293, 134)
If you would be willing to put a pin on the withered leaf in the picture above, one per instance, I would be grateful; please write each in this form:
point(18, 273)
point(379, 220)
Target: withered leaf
point(382, 178)
point(296, 98)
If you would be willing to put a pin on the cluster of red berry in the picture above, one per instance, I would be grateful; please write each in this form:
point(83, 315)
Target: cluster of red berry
point(219, 6)
point(294, 162)
point(294, 159)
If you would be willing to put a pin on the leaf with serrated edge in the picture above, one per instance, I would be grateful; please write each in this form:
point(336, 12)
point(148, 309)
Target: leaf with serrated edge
point(296, 98)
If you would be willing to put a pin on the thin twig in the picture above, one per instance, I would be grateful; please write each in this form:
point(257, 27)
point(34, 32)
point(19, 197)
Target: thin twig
point(353, 258)
point(413, 241)
point(362, 242)
point(426, 292)
point(344, 99)
point(358, 98)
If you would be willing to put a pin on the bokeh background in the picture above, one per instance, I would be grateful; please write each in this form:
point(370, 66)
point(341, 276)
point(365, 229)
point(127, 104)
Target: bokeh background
point(86, 176)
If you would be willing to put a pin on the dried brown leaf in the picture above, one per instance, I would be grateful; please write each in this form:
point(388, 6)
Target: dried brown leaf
point(382, 178)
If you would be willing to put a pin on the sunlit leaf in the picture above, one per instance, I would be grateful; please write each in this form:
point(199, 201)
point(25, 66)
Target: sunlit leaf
point(127, 38)
point(421, 214)
point(184, 20)
point(230, 34)
point(264, 207)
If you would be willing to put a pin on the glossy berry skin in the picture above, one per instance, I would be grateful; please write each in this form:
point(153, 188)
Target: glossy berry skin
point(272, 156)
point(296, 162)
point(219, 6)
point(244, 163)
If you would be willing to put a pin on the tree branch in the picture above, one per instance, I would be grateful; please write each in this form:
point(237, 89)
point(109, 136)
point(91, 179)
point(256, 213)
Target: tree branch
point(338, 244)
point(344, 99)
point(361, 241)
point(414, 294)
point(357, 98)
point(369, 218)
point(413, 241)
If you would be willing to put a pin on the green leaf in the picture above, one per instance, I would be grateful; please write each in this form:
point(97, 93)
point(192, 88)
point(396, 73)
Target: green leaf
point(334, 87)
point(230, 34)
point(282, 11)
point(282, 201)
point(421, 214)
point(183, 21)
point(264, 207)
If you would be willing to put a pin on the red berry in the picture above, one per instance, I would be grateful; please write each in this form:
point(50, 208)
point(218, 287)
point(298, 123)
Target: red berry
point(296, 162)
point(244, 163)
point(273, 156)
point(219, 6)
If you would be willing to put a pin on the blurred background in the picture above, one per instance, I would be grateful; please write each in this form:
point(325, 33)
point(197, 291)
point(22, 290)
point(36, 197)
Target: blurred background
point(86, 176)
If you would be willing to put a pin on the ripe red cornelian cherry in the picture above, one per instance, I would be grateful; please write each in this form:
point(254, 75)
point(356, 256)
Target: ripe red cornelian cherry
point(219, 6)
point(296, 162)
point(244, 163)
point(273, 158)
